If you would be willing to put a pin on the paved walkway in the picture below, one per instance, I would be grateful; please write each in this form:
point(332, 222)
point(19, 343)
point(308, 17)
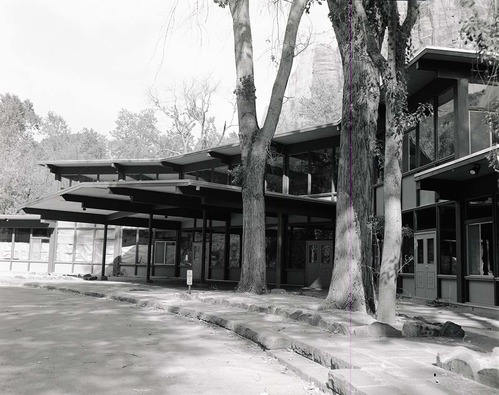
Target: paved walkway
point(326, 348)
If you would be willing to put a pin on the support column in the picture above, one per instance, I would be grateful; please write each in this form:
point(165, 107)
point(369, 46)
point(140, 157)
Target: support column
point(227, 250)
point(203, 248)
point(280, 249)
point(104, 247)
point(149, 251)
point(178, 257)
point(460, 252)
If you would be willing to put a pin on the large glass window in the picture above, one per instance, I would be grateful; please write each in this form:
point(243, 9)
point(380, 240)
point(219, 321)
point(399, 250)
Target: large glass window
point(445, 128)
point(426, 218)
point(480, 250)
point(84, 245)
point(217, 249)
point(447, 233)
point(321, 170)
point(271, 248)
point(99, 244)
point(274, 172)
point(426, 140)
point(409, 151)
point(129, 246)
point(21, 244)
point(235, 250)
point(482, 100)
point(480, 136)
point(40, 249)
point(164, 252)
point(479, 208)
point(408, 242)
point(186, 248)
point(297, 237)
point(5, 243)
point(142, 245)
point(298, 174)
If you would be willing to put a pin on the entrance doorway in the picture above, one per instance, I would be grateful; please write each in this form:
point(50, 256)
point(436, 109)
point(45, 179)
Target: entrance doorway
point(319, 264)
point(425, 267)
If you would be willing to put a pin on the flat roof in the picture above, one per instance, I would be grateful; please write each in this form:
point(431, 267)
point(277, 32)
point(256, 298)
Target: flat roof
point(459, 169)
point(168, 168)
point(168, 202)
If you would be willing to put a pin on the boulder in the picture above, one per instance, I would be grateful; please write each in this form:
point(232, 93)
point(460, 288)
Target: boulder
point(420, 329)
point(482, 368)
point(450, 329)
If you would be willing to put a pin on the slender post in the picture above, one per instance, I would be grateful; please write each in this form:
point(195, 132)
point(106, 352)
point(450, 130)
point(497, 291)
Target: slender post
point(227, 250)
point(104, 246)
point(203, 248)
point(149, 251)
point(278, 266)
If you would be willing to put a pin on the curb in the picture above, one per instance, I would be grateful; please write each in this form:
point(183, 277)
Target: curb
point(329, 367)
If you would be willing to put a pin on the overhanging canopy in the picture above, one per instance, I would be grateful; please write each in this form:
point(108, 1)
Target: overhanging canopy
point(448, 176)
point(169, 202)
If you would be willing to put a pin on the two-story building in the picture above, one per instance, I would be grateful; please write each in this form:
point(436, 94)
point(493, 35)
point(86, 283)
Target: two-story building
point(158, 218)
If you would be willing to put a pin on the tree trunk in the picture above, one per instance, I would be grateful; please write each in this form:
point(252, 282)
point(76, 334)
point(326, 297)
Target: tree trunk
point(352, 281)
point(392, 70)
point(253, 268)
point(392, 239)
point(254, 142)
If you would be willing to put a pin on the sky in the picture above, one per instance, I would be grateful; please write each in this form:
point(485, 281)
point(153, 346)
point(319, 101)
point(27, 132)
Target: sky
point(87, 59)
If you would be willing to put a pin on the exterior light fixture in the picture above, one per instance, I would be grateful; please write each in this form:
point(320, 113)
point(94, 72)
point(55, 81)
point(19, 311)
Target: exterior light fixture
point(475, 169)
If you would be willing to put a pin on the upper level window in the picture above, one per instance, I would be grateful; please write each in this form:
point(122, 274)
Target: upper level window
point(482, 100)
point(409, 151)
point(298, 174)
point(321, 170)
point(274, 172)
point(445, 127)
point(426, 140)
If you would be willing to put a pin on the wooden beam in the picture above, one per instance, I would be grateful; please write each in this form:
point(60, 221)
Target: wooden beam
point(155, 197)
point(226, 159)
point(120, 169)
point(109, 204)
point(119, 215)
point(173, 166)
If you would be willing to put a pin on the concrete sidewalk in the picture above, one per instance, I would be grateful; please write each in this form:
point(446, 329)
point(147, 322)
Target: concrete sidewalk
point(332, 349)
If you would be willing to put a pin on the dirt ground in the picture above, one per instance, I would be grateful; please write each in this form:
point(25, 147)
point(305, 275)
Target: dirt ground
point(56, 343)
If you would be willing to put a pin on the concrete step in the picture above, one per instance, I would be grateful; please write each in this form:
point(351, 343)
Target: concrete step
point(304, 368)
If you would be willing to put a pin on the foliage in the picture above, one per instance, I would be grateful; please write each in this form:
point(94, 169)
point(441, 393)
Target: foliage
point(135, 135)
point(191, 125)
point(377, 226)
point(18, 175)
point(482, 31)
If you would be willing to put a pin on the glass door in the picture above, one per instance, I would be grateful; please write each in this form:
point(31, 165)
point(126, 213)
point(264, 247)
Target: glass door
point(319, 266)
point(425, 265)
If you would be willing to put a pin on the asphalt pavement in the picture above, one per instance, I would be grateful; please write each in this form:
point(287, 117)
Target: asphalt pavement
point(335, 350)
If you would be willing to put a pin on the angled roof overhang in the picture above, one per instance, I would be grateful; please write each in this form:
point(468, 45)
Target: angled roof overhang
point(164, 169)
point(23, 221)
point(447, 178)
point(168, 203)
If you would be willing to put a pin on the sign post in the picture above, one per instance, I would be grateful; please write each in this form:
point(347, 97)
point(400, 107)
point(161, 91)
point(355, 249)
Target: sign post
point(189, 280)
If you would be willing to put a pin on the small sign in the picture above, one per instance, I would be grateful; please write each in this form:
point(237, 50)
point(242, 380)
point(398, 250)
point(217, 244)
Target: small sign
point(189, 277)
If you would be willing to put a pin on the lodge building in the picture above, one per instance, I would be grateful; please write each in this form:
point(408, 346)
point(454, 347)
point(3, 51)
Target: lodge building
point(159, 218)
